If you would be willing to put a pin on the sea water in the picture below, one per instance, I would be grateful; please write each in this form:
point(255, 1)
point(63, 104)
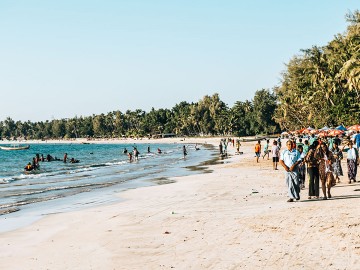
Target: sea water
point(102, 172)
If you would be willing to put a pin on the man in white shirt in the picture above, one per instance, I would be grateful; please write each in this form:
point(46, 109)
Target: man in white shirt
point(289, 159)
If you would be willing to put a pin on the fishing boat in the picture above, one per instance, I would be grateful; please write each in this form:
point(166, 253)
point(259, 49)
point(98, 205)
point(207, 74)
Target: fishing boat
point(15, 147)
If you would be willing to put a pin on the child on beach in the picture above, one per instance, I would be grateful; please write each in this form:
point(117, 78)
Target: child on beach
point(275, 151)
point(257, 151)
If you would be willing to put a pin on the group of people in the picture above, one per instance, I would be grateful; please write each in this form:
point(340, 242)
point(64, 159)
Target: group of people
point(72, 160)
point(223, 145)
point(319, 157)
point(134, 154)
point(34, 165)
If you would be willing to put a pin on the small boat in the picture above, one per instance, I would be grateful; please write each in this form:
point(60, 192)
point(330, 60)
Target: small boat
point(15, 147)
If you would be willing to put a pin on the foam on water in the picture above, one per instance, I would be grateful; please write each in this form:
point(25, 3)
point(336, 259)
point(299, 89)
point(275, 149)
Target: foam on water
point(98, 175)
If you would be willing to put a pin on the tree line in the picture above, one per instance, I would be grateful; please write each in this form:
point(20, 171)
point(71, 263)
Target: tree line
point(208, 116)
point(320, 86)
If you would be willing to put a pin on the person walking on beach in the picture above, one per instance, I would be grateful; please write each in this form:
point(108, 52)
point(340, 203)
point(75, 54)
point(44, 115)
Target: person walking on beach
point(326, 159)
point(312, 139)
point(306, 147)
point(266, 150)
point(257, 151)
point(238, 144)
point(313, 171)
point(301, 167)
point(289, 159)
point(338, 156)
point(357, 139)
point(275, 151)
point(221, 148)
point(279, 142)
point(352, 161)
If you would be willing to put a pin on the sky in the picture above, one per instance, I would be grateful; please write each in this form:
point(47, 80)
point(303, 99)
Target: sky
point(61, 59)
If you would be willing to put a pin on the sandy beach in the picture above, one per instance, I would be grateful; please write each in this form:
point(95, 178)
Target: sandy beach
point(235, 217)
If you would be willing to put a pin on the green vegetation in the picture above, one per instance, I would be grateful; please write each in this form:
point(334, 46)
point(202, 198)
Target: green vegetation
point(209, 116)
point(321, 86)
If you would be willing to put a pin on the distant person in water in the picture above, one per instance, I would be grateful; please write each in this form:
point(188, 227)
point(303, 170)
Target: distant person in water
point(136, 154)
point(130, 156)
point(35, 164)
point(28, 167)
point(125, 151)
point(148, 149)
point(73, 160)
point(184, 151)
point(159, 150)
point(65, 158)
point(37, 158)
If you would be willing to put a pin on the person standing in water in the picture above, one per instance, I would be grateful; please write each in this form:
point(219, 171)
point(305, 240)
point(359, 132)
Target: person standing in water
point(65, 157)
point(184, 151)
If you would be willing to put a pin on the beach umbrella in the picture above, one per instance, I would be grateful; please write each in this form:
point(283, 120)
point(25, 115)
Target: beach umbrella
point(284, 133)
point(335, 132)
point(314, 131)
point(350, 132)
point(307, 130)
point(354, 128)
point(322, 134)
point(325, 128)
point(341, 127)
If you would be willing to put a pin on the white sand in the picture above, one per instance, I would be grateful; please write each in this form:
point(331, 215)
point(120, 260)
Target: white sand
point(236, 217)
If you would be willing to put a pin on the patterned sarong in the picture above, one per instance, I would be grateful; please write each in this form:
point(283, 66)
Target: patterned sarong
point(292, 182)
point(352, 168)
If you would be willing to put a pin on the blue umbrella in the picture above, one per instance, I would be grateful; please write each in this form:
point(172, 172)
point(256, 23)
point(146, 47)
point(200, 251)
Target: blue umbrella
point(341, 127)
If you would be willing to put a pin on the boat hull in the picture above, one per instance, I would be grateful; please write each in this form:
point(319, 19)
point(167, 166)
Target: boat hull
point(15, 148)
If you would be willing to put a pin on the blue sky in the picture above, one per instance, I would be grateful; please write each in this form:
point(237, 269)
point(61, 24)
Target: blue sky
point(60, 59)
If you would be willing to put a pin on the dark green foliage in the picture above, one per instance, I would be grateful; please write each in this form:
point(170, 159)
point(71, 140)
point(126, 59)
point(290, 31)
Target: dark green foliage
point(209, 116)
point(322, 86)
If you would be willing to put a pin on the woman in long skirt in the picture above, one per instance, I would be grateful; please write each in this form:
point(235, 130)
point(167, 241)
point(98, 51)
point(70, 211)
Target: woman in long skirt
point(326, 159)
point(338, 156)
point(313, 171)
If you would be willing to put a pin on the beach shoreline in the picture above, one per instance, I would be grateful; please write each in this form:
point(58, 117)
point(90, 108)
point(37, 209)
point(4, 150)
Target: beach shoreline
point(236, 217)
point(190, 140)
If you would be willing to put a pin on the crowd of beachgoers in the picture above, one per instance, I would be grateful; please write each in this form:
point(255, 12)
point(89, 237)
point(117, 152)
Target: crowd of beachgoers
point(316, 155)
